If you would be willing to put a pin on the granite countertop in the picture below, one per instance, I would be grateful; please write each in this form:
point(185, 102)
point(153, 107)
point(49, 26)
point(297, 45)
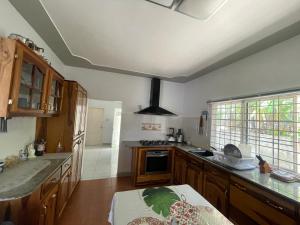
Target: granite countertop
point(290, 191)
point(22, 185)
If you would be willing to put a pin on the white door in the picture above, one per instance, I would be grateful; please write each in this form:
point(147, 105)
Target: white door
point(94, 130)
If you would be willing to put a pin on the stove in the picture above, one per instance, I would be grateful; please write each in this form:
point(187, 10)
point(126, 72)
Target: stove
point(153, 142)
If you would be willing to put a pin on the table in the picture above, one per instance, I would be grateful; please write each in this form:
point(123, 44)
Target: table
point(153, 204)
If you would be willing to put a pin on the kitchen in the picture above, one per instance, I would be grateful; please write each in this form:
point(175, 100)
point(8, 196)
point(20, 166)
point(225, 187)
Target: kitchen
point(268, 64)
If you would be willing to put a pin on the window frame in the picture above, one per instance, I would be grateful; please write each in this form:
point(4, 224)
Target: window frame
point(245, 136)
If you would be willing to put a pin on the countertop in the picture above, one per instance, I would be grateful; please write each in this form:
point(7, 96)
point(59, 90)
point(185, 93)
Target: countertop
point(289, 191)
point(54, 161)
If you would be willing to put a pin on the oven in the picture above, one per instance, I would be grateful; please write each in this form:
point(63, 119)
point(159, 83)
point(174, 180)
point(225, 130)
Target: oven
point(157, 161)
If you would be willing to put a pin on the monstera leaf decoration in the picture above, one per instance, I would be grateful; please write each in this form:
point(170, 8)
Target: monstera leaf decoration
point(160, 199)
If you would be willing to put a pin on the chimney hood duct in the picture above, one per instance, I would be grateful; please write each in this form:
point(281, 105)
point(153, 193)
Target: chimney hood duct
point(154, 108)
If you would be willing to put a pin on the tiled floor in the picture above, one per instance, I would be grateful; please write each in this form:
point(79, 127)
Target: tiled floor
point(98, 163)
point(91, 201)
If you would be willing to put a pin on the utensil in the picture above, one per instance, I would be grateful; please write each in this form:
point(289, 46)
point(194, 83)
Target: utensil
point(201, 125)
point(205, 116)
point(3, 125)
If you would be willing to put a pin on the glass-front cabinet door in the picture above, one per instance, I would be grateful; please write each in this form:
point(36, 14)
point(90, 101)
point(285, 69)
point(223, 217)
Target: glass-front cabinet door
point(29, 88)
point(55, 92)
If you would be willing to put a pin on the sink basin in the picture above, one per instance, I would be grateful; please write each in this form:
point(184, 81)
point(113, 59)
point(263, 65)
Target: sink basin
point(202, 153)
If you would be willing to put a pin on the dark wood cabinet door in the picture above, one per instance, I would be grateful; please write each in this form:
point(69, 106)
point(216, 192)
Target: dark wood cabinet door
point(48, 208)
point(83, 112)
point(29, 86)
point(63, 193)
point(79, 161)
point(215, 188)
point(77, 119)
point(180, 166)
point(250, 205)
point(194, 176)
point(74, 168)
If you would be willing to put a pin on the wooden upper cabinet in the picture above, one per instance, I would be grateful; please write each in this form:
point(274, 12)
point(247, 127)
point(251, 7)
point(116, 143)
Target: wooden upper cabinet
point(83, 111)
point(26, 82)
point(55, 93)
point(29, 85)
point(80, 112)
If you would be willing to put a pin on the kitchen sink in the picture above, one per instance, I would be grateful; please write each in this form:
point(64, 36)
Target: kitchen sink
point(202, 153)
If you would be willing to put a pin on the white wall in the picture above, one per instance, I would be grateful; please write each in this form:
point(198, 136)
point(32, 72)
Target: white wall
point(21, 131)
point(132, 92)
point(276, 68)
point(109, 113)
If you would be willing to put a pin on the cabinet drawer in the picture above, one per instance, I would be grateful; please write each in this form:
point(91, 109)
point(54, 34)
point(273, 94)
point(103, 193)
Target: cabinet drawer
point(66, 166)
point(51, 182)
point(259, 205)
point(215, 173)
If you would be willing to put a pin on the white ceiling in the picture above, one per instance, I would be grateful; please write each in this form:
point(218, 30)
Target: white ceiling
point(140, 36)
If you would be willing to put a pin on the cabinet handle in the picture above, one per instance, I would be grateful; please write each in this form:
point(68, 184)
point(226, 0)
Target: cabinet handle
point(53, 196)
point(240, 187)
point(67, 165)
point(16, 56)
point(226, 192)
point(45, 209)
point(274, 205)
point(53, 180)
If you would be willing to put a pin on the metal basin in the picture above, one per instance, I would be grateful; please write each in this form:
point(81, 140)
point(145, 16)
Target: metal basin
point(202, 153)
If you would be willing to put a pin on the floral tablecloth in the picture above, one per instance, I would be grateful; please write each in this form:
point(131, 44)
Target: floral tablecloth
point(164, 206)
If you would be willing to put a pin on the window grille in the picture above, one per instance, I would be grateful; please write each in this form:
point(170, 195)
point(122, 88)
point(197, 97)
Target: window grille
point(270, 124)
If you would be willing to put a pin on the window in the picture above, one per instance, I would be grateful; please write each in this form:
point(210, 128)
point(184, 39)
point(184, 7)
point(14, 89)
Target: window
point(270, 124)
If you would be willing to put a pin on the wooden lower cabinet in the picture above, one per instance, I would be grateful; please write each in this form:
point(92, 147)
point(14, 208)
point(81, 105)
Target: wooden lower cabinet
point(194, 176)
point(76, 163)
point(48, 208)
point(215, 188)
point(64, 193)
point(250, 205)
point(180, 167)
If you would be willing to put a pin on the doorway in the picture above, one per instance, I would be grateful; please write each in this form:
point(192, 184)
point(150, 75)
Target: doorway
point(100, 160)
point(95, 119)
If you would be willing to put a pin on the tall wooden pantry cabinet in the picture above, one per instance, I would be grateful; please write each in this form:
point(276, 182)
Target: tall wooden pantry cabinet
point(68, 128)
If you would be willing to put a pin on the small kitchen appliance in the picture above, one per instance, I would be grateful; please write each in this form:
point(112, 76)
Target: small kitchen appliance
point(180, 136)
point(171, 135)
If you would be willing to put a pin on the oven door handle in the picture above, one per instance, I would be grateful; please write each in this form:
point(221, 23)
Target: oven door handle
point(157, 154)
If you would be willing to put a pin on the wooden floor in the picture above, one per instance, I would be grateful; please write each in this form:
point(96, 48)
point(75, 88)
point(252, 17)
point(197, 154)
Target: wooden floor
point(90, 203)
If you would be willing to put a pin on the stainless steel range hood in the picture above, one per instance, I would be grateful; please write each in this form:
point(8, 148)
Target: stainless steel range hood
point(154, 108)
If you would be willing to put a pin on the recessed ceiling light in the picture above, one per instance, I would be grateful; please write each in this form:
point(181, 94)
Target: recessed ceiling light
point(166, 3)
point(200, 9)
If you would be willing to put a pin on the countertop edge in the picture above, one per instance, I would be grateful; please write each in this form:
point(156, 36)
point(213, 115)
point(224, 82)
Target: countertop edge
point(40, 183)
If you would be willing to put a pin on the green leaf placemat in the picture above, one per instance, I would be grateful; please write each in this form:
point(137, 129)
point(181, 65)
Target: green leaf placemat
point(160, 199)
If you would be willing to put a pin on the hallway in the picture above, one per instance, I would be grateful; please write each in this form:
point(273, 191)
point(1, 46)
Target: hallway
point(98, 163)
